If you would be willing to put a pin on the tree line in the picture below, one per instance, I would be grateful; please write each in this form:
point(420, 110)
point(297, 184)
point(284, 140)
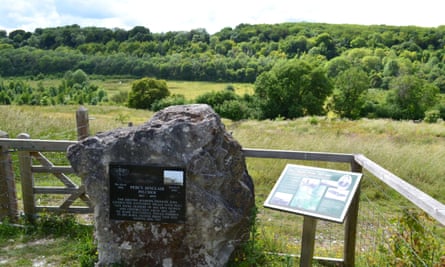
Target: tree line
point(296, 88)
point(234, 55)
point(360, 62)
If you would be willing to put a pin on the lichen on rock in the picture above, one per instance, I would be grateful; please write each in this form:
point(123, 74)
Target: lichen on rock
point(219, 191)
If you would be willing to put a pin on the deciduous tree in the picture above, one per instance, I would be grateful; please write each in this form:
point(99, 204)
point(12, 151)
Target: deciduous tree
point(351, 86)
point(412, 96)
point(291, 89)
point(146, 91)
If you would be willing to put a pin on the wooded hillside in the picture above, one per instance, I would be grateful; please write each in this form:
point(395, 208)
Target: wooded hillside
point(238, 54)
point(407, 62)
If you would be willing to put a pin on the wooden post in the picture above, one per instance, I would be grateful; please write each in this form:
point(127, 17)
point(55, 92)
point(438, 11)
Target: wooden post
point(308, 241)
point(8, 196)
point(351, 223)
point(27, 181)
point(82, 123)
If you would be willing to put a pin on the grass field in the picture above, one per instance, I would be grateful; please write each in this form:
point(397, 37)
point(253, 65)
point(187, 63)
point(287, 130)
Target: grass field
point(190, 90)
point(413, 151)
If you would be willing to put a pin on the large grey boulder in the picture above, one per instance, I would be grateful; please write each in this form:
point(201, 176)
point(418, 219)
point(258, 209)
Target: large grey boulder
point(219, 193)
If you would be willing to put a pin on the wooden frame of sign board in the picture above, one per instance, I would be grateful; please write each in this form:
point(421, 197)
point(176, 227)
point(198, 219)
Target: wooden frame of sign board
point(315, 193)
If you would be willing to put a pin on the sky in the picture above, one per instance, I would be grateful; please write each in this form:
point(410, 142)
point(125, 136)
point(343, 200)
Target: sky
point(185, 15)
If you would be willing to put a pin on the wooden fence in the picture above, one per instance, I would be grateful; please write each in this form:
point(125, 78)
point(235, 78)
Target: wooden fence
point(33, 148)
point(30, 150)
point(358, 163)
point(32, 160)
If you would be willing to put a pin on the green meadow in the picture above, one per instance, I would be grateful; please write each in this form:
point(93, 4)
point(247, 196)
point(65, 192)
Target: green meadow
point(115, 85)
point(413, 151)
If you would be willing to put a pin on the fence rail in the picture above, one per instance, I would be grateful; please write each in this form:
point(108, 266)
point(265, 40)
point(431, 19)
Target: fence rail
point(422, 200)
point(31, 151)
point(36, 144)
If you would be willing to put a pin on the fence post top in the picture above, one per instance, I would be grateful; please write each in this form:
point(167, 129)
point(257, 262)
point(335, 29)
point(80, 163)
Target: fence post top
point(23, 136)
point(3, 134)
point(82, 109)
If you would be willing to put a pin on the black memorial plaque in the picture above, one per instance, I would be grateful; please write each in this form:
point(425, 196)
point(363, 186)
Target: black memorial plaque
point(147, 193)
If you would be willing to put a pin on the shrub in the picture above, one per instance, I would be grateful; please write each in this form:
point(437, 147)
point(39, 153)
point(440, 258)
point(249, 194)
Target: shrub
point(120, 98)
point(4, 99)
point(77, 77)
point(233, 109)
point(168, 101)
point(432, 116)
point(230, 87)
point(214, 99)
point(146, 91)
point(231, 106)
point(411, 244)
point(251, 253)
point(441, 109)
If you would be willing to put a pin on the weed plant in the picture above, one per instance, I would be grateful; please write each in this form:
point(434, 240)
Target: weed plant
point(50, 239)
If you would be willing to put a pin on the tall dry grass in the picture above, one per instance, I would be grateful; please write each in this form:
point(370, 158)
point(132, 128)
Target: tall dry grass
point(413, 151)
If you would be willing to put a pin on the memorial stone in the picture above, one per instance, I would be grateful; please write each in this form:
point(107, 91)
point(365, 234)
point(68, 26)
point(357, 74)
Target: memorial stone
point(174, 191)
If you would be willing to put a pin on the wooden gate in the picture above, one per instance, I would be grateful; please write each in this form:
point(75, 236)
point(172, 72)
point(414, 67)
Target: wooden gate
point(32, 161)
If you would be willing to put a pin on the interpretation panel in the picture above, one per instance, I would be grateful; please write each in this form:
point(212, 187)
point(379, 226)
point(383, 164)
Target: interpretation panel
point(147, 193)
point(317, 192)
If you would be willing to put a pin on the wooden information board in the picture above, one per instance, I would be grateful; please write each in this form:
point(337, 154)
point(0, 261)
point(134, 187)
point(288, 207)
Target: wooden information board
point(316, 192)
point(147, 193)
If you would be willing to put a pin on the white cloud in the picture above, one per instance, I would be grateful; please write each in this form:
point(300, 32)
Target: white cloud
point(27, 15)
point(98, 9)
point(174, 15)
